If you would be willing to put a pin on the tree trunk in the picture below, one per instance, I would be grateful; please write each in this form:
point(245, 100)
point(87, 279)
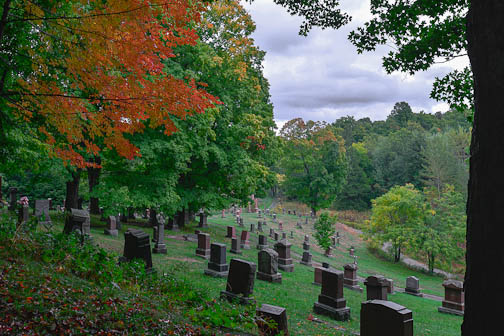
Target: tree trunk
point(484, 278)
point(397, 254)
point(93, 181)
point(72, 191)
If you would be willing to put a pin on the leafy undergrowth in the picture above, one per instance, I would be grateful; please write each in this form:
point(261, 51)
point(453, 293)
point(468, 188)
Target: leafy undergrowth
point(54, 284)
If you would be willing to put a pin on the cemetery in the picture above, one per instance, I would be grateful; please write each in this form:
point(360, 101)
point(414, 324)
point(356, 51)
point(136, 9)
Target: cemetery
point(258, 167)
point(254, 279)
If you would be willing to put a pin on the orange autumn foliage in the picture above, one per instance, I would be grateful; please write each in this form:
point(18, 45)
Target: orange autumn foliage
point(110, 79)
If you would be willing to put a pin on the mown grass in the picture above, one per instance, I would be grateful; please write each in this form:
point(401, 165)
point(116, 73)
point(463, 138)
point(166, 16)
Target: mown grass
point(297, 293)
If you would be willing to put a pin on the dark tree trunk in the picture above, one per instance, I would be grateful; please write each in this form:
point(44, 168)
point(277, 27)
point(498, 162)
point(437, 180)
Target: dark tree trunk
point(72, 191)
point(484, 278)
point(93, 181)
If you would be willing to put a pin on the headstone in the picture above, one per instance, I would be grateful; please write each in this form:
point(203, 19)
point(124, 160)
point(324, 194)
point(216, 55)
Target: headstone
point(241, 221)
point(245, 240)
point(118, 221)
point(390, 286)
point(284, 235)
point(284, 255)
point(203, 222)
point(331, 301)
point(272, 232)
point(318, 276)
point(137, 245)
point(274, 216)
point(376, 287)
point(203, 249)
point(240, 281)
point(413, 286)
point(111, 229)
point(263, 242)
point(160, 246)
point(306, 220)
point(333, 240)
point(268, 266)
point(217, 266)
point(453, 302)
point(292, 234)
point(13, 199)
point(378, 318)
point(351, 277)
point(260, 226)
point(299, 226)
point(41, 212)
point(79, 220)
point(172, 224)
point(272, 320)
point(276, 236)
point(252, 228)
point(307, 256)
point(231, 232)
point(235, 246)
point(23, 214)
point(352, 251)
point(289, 212)
point(280, 225)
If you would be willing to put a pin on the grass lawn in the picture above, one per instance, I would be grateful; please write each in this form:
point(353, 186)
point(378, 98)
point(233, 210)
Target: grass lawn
point(296, 292)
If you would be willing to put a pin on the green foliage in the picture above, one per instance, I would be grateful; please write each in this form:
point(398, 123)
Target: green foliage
point(314, 163)
point(324, 230)
point(395, 215)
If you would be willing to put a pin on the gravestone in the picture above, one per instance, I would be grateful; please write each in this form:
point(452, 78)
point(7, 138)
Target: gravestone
point(240, 281)
point(231, 232)
point(307, 256)
point(23, 214)
point(160, 246)
point(272, 320)
point(276, 236)
point(172, 224)
point(118, 221)
point(252, 228)
point(203, 249)
point(390, 286)
point(453, 302)
point(292, 234)
point(274, 217)
point(245, 240)
point(41, 212)
point(235, 246)
point(352, 251)
point(111, 229)
point(331, 301)
point(217, 266)
point(351, 277)
point(13, 199)
point(376, 288)
point(413, 286)
point(203, 222)
point(280, 226)
point(272, 232)
point(260, 226)
point(318, 273)
point(284, 255)
point(263, 242)
point(79, 220)
point(240, 219)
point(299, 226)
point(284, 235)
point(268, 266)
point(306, 220)
point(379, 317)
point(137, 246)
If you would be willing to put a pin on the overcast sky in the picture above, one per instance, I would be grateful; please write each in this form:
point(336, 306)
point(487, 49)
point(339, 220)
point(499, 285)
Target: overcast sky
point(321, 77)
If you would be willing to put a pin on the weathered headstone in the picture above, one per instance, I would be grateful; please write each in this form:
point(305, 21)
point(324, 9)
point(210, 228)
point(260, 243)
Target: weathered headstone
point(137, 246)
point(13, 199)
point(203, 249)
point(413, 286)
point(231, 232)
point(252, 228)
point(160, 246)
point(23, 213)
point(78, 220)
point(280, 225)
point(203, 222)
point(217, 266)
point(245, 240)
point(272, 320)
point(376, 288)
point(284, 255)
point(235, 246)
point(284, 235)
point(263, 242)
point(390, 286)
point(260, 226)
point(331, 301)
point(41, 212)
point(240, 281)
point(351, 277)
point(111, 227)
point(379, 318)
point(276, 236)
point(272, 232)
point(268, 266)
point(453, 302)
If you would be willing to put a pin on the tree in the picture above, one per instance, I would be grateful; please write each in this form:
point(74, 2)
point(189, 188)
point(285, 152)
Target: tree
point(400, 115)
point(395, 216)
point(324, 230)
point(441, 236)
point(314, 163)
point(94, 70)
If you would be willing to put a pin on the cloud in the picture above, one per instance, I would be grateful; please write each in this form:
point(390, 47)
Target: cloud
point(321, 77)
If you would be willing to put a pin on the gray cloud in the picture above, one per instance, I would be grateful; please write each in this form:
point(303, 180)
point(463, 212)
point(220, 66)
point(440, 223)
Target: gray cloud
point(321, 77)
